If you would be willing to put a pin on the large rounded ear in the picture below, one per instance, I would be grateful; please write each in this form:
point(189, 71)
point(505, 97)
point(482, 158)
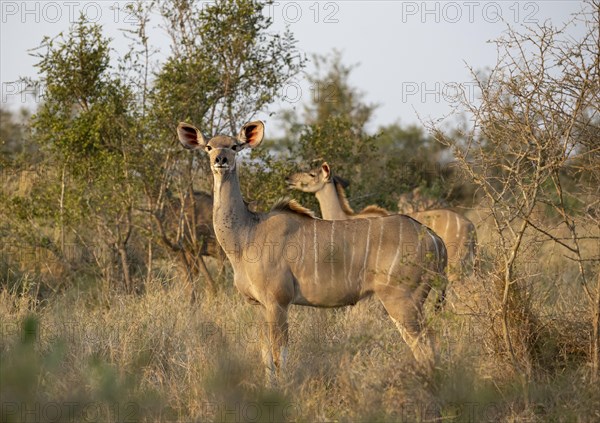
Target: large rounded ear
point(326, 171)
point(190, 137)
point(251, 134)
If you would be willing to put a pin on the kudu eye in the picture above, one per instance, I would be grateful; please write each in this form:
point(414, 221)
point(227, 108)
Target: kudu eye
point(312, 175)
point(235, 147)
point(208, 148)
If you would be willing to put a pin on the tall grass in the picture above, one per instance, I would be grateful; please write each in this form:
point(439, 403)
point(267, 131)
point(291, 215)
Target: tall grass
point(83, 355)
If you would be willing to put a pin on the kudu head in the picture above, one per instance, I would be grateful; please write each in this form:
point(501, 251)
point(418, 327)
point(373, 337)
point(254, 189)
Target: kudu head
point(311, 181)
point(406, 203)
point(221, 149)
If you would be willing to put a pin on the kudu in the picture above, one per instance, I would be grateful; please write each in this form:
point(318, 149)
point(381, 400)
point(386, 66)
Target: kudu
point(185, 226)
point(287, 256)
point(194, 219)
point(457, 232)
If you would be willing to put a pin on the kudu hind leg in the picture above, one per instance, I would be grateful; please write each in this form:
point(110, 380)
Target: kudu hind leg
point(406, 312)
point(275, 340)
point(440, 285)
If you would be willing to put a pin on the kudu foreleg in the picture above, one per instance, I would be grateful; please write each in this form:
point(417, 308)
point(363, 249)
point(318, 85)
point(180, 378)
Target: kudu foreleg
point(275, 340)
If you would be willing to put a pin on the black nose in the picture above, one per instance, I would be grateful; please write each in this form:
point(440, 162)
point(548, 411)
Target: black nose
point(221, 160)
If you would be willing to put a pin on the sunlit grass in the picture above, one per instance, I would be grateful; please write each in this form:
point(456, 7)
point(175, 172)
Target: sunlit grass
point(83, 356)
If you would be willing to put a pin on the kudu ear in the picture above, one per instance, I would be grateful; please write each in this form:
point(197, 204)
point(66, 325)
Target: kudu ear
point(251, 134)
point(326, 171)
point(190, 136)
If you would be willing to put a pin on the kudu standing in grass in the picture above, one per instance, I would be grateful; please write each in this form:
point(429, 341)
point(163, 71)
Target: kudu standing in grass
point(457, 232)
point(288, 256)
point(190, 229)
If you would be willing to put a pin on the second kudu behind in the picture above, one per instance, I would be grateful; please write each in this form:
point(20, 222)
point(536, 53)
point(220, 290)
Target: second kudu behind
point(287, 256)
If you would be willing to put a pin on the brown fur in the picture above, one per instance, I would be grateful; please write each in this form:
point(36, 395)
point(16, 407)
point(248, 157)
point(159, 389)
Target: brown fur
point(373, 209)
point(344, 203)
point(287, 205)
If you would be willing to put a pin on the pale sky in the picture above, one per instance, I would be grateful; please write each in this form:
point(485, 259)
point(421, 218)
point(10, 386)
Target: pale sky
point(410, 54)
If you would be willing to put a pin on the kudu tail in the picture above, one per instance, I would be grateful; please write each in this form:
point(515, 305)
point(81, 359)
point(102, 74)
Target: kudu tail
point(441, 277)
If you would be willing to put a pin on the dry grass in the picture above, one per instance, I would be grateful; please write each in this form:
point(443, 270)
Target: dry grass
point(155, 357)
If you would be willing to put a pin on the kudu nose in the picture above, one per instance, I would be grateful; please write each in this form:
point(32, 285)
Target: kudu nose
point(221, 160)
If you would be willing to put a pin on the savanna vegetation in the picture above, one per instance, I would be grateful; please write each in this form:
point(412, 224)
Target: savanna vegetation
point(110, 311)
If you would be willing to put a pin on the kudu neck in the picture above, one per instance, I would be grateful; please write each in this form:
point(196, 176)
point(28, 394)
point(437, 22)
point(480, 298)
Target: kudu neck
point(230, 213)
point(330, 203)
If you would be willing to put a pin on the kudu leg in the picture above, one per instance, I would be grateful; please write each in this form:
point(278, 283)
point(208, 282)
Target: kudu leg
point(406, 310)
point(441, 288)
point(275, 340)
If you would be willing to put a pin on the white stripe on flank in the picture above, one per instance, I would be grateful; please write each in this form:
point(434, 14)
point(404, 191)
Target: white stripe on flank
point(344, 252)
point(447, 223)
point(349, 280)
point(316, 247)
point(379, 249)
point(398, 248)
point(331, 251)
point(456, 231)
point(303, 252)
point(364, 268)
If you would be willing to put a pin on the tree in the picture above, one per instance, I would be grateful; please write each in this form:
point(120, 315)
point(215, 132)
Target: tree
point(225, 65)
point(108, 129)
point(84, 125)
point(12, 134)
point(332, 94)
point(534, 147)
point(332, 127)
point(413, 160)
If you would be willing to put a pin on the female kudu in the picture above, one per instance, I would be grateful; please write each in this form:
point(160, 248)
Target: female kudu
point(287, 256)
